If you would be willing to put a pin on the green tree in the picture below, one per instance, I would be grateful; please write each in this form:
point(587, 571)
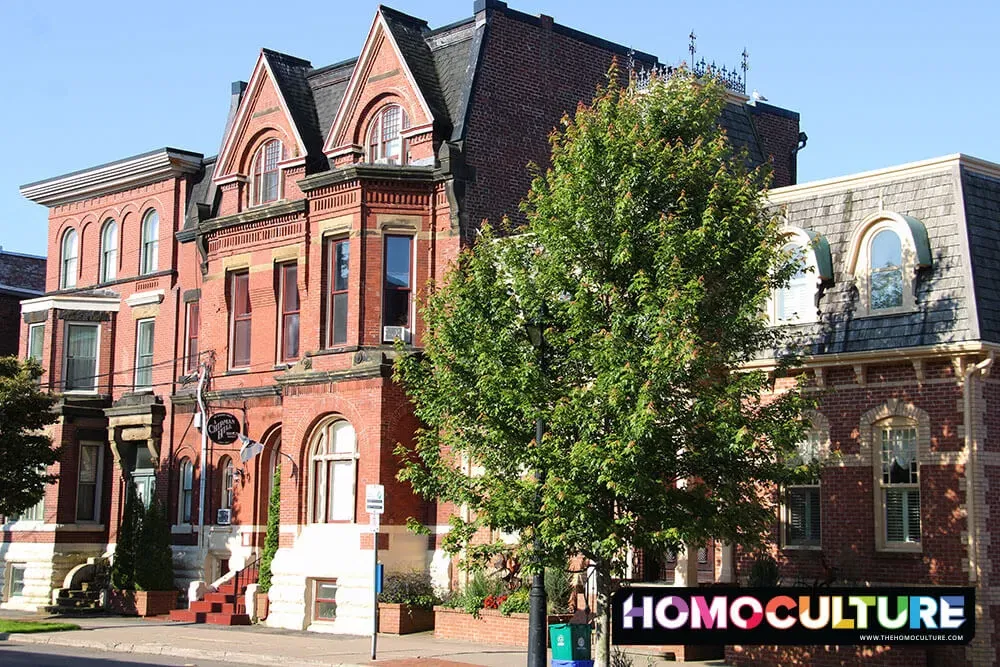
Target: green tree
point(26, 450)
point(154, 566)
point(127, 544)
point(271, 535)
point(648, 257)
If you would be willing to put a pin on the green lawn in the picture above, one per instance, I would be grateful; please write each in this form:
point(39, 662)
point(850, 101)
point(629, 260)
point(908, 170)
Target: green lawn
point(35, 626)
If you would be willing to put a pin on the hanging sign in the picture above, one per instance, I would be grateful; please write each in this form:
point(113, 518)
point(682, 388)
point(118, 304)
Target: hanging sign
point(224, 428)
point(375, 498)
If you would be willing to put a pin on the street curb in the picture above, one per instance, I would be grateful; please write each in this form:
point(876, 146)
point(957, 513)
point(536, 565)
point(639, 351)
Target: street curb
point(54, 639)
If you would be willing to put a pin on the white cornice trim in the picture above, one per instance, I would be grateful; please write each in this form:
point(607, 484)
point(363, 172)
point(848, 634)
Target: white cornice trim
point(145, 298)
point(815, 188)
point(104, 304)
point(121, 175)
point(895, 354)
point(359, 71)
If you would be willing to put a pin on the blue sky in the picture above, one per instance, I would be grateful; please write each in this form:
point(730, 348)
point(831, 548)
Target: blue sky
point(876, 83)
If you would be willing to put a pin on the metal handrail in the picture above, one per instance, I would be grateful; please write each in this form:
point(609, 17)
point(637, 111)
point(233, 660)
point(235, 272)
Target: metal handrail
point(244, 577)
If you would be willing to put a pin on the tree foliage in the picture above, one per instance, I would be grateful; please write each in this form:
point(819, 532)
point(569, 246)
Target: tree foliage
point(648, 257)
point(271, 535)
point(26, 450)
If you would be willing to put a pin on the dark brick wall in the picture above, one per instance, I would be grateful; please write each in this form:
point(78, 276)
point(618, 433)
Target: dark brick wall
point(22, 271)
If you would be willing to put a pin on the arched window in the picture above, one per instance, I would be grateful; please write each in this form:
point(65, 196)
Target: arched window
point(67, 271)
point(185, 493)
point(226, 466)
point(886, 270)
point(896, 435)
point(385, 143)
point(265, 173)
point(332, 470)
point(886, 251)
point(150, 242)
point(109, 251)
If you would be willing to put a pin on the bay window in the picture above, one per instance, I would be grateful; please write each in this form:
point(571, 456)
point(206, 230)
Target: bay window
point(288, 307)
point(81, 357)
point(397, 287)
point(337, 268)
point(239, 319)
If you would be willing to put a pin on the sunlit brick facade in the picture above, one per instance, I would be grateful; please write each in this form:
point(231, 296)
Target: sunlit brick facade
point(283, 269)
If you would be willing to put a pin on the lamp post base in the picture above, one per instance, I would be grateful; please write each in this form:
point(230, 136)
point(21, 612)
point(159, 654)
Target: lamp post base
point(537, 622)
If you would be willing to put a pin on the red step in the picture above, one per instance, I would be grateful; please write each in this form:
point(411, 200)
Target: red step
point(227, 618)
point(187, 616)
point(220, 598)
point(206, 606)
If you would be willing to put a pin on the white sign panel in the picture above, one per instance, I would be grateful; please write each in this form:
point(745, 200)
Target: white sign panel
point(375, 498)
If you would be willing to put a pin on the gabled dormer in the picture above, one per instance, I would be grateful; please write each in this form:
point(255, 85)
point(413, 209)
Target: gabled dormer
point(274, 138)
point(393, 103)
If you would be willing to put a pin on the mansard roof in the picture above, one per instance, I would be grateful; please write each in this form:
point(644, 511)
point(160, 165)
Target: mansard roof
point(956, 199)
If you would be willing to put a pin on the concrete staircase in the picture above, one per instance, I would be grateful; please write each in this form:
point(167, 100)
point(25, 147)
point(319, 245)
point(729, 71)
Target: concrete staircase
point(85, 601)
point(224, 607)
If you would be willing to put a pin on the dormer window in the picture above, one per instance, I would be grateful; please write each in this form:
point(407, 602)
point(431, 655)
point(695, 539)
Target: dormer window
point(385, 142)
point(264, 189)
point(886, 252)
point(796, 301)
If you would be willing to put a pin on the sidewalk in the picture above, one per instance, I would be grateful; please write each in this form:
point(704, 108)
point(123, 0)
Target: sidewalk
point(258, 645)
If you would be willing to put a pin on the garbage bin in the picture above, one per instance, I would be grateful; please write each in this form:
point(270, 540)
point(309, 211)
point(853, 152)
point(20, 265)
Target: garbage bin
point(570, 645)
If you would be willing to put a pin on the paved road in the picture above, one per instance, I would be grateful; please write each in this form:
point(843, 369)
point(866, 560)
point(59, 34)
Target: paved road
point(41, 655)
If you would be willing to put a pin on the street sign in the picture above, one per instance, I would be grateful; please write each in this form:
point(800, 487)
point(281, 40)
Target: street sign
point(373, 522)
point(224, 428)
point(375, 498)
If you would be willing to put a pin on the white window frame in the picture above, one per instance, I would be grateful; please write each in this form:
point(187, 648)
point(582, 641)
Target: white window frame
point(68, 274)
point(9, 579)
point(254, 197)
point(33, 330)
point(185, 491)
point(34, 515)
point(377, 154)
point(878, 430)
point(859, 260)
point(149, 248)
point(136, 386)
point(109, 256)
point(97, 483)
point(318, 513)
point(97, 357)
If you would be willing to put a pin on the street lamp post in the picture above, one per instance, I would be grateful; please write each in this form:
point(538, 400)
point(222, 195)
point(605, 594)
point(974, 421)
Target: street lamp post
point(537, 610)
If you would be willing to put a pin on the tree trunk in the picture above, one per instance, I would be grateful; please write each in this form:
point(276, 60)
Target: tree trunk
point(602, 621)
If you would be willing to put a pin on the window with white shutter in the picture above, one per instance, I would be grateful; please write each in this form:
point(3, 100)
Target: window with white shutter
point(796, 302)
point(900, 482)
point(802, 517)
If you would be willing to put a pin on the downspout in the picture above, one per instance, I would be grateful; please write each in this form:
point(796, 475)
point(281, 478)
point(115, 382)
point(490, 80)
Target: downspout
point(202, 376)
point(972, 447)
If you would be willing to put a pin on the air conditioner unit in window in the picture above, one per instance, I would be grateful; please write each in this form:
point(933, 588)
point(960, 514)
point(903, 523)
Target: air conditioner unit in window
point(223, 517)
point(390, 334)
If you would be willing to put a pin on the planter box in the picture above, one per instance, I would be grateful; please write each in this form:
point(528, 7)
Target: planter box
point(155, 603)
point(402, 619)
point(142, 603)
point(262, 605)
point(491, 627)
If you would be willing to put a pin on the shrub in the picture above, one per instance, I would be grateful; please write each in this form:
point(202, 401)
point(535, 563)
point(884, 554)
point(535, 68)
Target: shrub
point(764, 571)
point(154, 566)
point(558, 590)
point(271, 535)
point(123, 566)
point(517, 602)
point(409, 588)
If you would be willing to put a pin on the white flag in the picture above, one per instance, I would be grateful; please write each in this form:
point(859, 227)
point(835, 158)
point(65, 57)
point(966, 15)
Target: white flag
point(250, 448)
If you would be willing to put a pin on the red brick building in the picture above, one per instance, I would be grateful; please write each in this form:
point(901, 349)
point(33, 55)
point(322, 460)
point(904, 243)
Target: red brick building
point(281, 271)
point(21, 277)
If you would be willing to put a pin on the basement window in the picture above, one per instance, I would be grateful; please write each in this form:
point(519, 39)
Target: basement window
point(325, 596)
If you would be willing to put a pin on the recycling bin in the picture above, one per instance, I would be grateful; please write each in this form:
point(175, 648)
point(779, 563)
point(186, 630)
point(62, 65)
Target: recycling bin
point(570, 645)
